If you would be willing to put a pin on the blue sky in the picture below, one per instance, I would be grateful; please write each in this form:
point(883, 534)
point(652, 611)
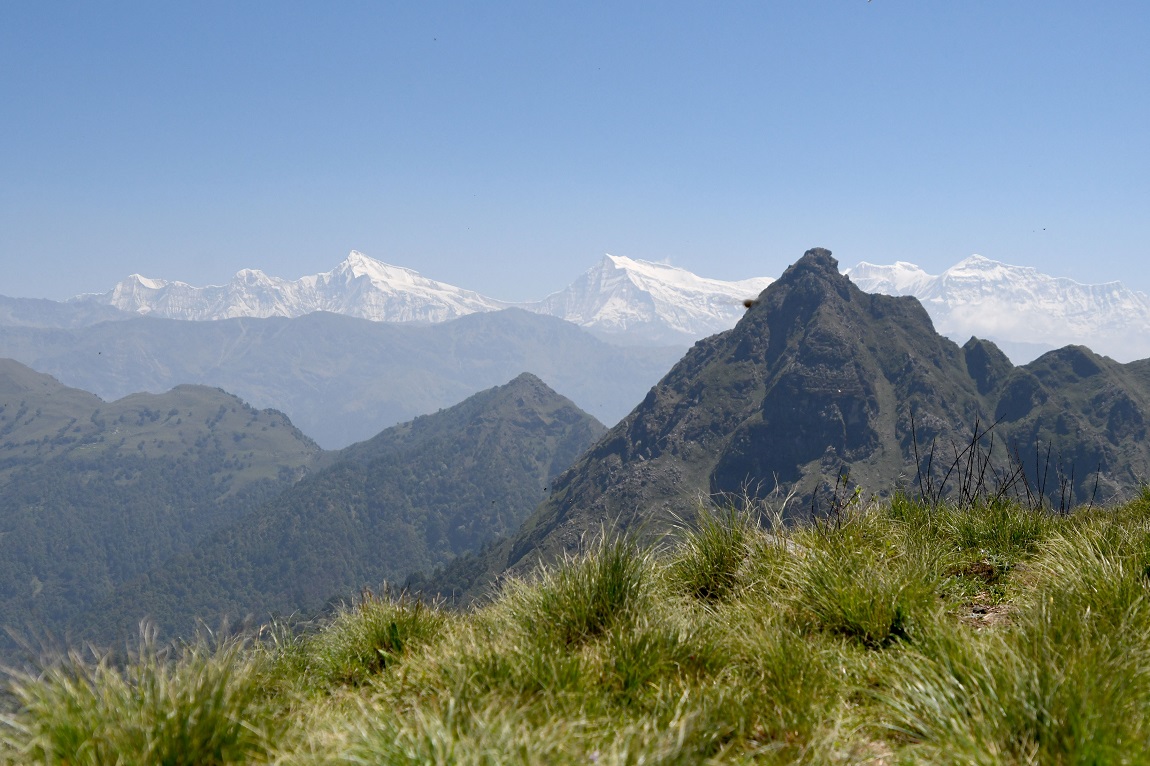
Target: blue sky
point(506, 146)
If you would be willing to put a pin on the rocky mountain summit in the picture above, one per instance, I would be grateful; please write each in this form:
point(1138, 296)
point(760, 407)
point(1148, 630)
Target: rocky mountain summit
point(820, 380)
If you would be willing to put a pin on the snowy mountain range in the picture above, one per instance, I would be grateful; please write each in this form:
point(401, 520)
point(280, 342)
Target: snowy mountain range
point(631, 301)
point(1021, 309)
point(359, 286)
point(625, 299)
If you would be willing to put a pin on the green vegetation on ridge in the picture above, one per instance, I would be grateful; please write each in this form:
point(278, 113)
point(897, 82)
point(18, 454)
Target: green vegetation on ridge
point(894, 632)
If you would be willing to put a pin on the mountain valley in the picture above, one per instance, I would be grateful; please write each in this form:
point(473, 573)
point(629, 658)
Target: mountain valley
point(342, 379)
point(193, 505)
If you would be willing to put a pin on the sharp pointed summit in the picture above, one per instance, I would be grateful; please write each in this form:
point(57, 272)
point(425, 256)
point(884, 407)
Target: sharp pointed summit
point(820, 380)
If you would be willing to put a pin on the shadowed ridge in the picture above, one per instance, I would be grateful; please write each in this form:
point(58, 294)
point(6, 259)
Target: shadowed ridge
point(986, 363)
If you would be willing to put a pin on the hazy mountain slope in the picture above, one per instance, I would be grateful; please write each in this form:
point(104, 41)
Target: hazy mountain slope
point(414, 496)
point(93, 493)
point(342, 379)
point(818, 380)
point(1091, 410)
point(1020, 307)
point(40, 312)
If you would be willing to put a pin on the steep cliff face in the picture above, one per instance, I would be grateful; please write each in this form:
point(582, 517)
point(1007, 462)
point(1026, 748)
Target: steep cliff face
point(820, 380)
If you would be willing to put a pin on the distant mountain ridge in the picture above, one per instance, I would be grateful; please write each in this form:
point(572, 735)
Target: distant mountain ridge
point(341, 379)
point(635, 302)
point(359, 286)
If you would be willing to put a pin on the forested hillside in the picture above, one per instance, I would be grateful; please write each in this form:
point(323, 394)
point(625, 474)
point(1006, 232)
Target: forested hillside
point(94, 493)
point(413, 497)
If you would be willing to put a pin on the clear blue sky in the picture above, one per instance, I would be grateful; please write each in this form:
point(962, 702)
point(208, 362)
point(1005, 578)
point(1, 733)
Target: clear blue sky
point(506, 146)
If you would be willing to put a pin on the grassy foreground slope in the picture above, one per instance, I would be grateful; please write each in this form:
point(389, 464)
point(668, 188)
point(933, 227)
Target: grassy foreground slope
point(892, 633)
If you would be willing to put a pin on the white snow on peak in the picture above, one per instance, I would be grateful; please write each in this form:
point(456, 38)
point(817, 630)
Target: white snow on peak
point(651, 302)
point(149, 284)
point(901, 278)
point(1019, 307)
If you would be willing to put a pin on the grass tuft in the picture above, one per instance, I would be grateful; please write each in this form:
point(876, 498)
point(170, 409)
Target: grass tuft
point(588, 595)
point(372, 635)
point(197, 705)
point(859, 583)
point(713, 553)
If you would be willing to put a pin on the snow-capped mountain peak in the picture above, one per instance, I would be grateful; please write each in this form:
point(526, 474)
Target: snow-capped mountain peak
point(358, 265)
point(900, 278)
point(650, 302)
point(144, 282)
point(619, 296)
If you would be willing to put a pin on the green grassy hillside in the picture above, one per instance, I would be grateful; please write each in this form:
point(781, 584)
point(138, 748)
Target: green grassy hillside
point(900, 632)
